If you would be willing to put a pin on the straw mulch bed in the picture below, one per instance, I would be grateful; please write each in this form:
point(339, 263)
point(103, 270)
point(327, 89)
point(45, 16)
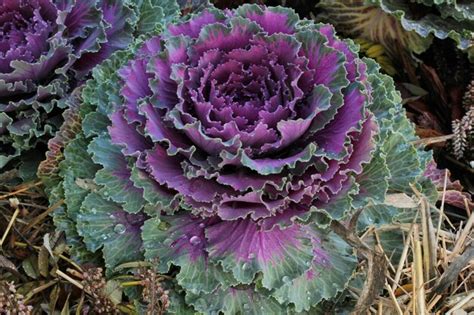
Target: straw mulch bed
point(434, 275)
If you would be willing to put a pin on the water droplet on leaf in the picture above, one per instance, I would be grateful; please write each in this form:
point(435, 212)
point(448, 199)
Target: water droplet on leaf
point(245, 266)
point(202, 225)
point(251, 256)
point(164, 225)
point(286, 279)
point(120, 228)
point(195, 240)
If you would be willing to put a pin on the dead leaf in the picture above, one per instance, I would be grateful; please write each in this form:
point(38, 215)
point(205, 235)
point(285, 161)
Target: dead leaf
point(113, 290)
point(43, 262)
point(53, 298)
point(86, 184)
point(6, 263)
point(400, 200)
point(427, 132)
point(65, 310)
point(51, 241)
point(30, 266)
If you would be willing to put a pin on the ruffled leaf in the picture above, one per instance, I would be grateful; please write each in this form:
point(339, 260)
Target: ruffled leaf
point(180, 240)
point(115, 175)
point(104, 224)
point(225, 143)
point(241, 247)
point(447, 20)
point(154, 13)
point(235, 301)
point(332, 266)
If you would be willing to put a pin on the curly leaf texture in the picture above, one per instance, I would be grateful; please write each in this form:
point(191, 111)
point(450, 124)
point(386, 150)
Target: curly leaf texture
point(409, 24)
point(48, 48)
point(223, 145)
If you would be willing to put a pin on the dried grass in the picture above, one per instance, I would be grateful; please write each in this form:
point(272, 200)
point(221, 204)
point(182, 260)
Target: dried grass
point(36, 267)
point(435, 273)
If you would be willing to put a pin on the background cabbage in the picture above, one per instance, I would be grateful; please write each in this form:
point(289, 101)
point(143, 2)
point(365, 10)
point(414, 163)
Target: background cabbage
point(47, 48)
point(418, 21)
point(439, 18)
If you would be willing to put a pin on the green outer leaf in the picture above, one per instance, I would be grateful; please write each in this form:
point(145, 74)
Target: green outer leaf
point(402, 161)
point(63, 222)
point(380, 214)
point(94, 124)
point(331, 275)
point(115, 186)
point(196, 274)
point(153, 13)
point(396, 163)
point(236, 301)
point(150, 194)
point(98, 224)
point(104, 89)
point(76, 168)
point(177, 303)
point(373, 182)
point(24, 129)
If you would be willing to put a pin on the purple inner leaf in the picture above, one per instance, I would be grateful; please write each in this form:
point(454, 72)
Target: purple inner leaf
point(251, 122)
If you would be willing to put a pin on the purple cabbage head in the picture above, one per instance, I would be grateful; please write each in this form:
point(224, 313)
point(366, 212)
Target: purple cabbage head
point(246, 117)
point(46, 48)
point(224, 145)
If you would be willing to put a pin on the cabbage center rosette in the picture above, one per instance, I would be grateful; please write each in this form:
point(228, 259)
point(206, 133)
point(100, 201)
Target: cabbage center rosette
point(223, 146)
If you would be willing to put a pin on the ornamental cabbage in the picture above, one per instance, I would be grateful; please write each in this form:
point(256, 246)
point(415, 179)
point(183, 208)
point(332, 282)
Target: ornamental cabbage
point(47, 47)
point(443, 19)
point(223, 146)
point(420, 20)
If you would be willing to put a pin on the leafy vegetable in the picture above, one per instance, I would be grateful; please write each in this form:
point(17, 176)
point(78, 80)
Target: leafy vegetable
point(439, 18)
point(419, 21)
point(47, 48)
point(223, 146)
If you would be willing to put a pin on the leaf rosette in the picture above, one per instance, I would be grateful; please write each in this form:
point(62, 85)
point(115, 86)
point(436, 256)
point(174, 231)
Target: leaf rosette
point(223, 146)
point(47, 47)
